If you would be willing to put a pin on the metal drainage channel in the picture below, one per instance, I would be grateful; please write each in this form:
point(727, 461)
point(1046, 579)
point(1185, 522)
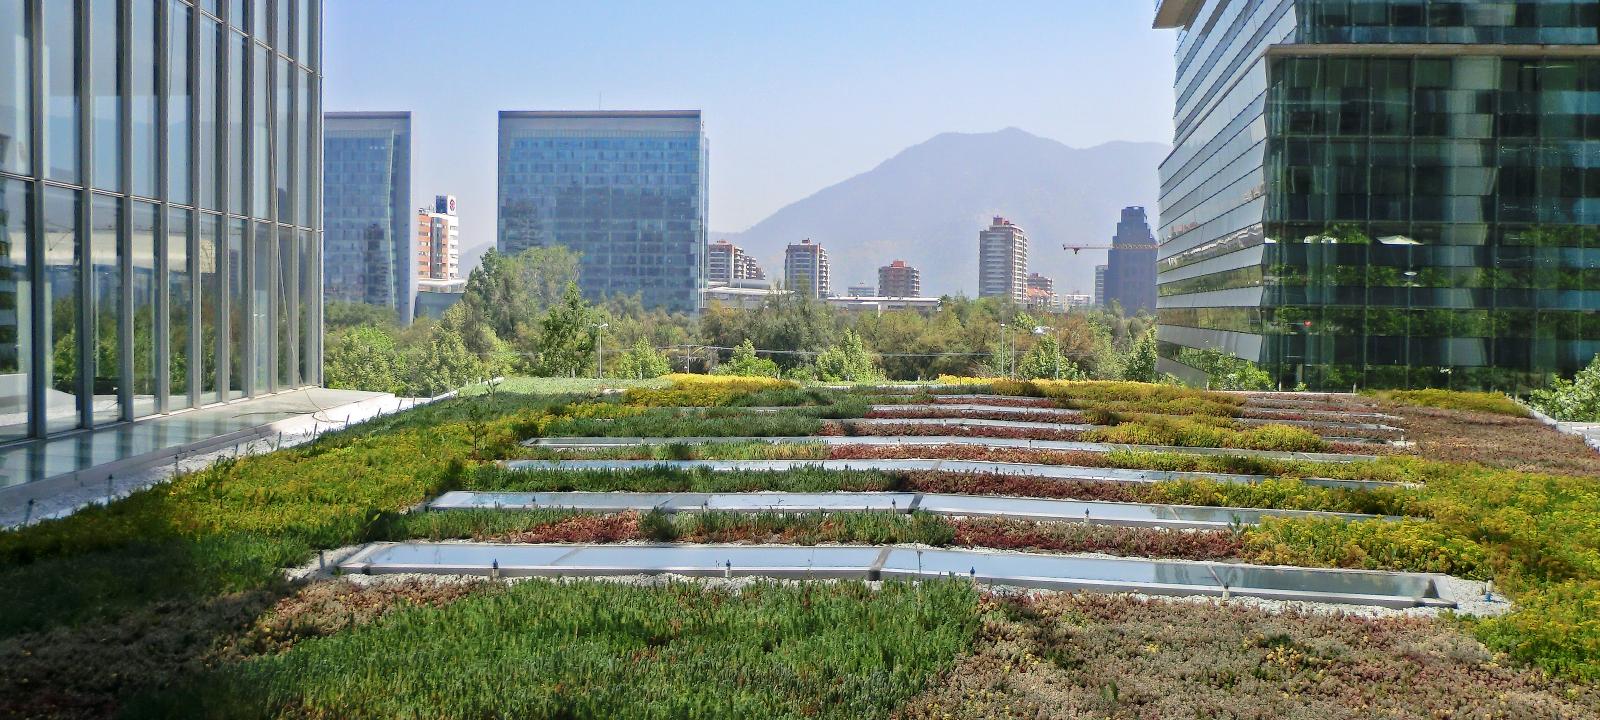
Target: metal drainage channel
point(1055, 472)
point(1069, 445)
point(1177, 517)
point(1039, 425)
point(1032, 570)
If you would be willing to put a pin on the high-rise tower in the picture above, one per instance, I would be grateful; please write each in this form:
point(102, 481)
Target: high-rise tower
point(1003, 261)
point(625, 190)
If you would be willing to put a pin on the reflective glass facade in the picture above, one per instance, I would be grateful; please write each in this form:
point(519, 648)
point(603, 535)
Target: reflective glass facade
point(625, 190)
point(114, 299)
point(368, 216)
point(1385, 193)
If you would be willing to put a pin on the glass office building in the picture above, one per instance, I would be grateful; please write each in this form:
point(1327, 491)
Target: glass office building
point(1384, 193)
point(368, 217)
point(625, 190)
point(158, 223)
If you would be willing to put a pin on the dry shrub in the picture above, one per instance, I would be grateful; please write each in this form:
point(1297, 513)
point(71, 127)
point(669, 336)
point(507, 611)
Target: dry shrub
point(1017, 486)
point(1079, 537)
point(583, 528)
point(912, 428)
point(998, 401)
point(1100, 656)
point(324, 608)
point(1498, 441)
point(86, 670)
point(964, 414)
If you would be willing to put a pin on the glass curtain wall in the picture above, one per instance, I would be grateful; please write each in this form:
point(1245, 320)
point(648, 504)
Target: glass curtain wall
point(1437, 220)
point(156, 178)
point(1350, 209)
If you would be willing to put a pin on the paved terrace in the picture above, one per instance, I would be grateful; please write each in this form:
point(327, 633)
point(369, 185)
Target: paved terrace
point(54, 476)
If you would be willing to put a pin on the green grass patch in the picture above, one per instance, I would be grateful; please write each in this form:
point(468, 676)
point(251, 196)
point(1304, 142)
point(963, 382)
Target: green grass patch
point(1198, 431)
point(1484, 402)
point(561, 386)
point(1409, 545)
point(597, 649)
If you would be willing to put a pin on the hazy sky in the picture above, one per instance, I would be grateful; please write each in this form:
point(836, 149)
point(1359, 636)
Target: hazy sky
point(796, 95)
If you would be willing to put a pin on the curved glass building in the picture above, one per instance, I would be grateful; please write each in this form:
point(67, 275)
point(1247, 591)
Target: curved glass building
point(159, 220)
point(1384, 193)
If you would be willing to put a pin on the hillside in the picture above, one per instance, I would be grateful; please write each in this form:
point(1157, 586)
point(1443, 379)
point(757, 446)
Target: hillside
point(926, 205)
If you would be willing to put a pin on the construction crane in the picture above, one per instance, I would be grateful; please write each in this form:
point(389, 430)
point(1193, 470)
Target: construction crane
point(1129, 246)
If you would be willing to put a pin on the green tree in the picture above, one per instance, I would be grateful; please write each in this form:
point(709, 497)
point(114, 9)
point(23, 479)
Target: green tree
point(509, 292)
point(848, 361)
point(441, 364)
point(1577, 399)
point(495, 356)
point(566, 336)
point(1045, 360)
point(1224, 371)
point(1140, 363)
point(641, 362)
point(340, 316)
point(745, 362)
point(362, 358)
point(787, 322)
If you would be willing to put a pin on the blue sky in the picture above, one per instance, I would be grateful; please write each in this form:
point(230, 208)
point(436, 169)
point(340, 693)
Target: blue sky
point(797, 95)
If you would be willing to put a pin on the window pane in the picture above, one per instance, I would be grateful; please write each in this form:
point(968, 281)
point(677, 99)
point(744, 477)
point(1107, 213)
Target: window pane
point(142, 147)
point(63, 248)
point(180, 295)
point(280, 150)
point(14, 307)
point(258, 17)
point(310, 294)
point(15, 86)
point(236, 308)
point(105, 95)
point(237, 164)
point(285, 307)
point(179, 93)
point(105, 272)
point(211, 35)
point(145, 331)
point(209, 267)
point(302, 20)
point(280, 14)
point(304, 157)
point(261, 309)
point(260, 157)
point(61, 89)
point(236, 14)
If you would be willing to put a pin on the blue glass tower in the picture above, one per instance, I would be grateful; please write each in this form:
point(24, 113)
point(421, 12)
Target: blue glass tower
point(368, 215)
point(625, 190)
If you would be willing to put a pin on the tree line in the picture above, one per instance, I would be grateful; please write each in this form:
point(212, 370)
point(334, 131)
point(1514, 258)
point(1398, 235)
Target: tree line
point(524, 315)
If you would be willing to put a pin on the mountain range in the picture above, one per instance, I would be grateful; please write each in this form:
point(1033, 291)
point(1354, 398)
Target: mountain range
point(926, 205)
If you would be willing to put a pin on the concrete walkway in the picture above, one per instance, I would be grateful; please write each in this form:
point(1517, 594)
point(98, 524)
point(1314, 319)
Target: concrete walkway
point(57, 476)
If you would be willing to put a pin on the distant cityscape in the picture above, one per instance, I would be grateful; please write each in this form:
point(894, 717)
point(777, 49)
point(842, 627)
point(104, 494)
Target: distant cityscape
point(625, 190)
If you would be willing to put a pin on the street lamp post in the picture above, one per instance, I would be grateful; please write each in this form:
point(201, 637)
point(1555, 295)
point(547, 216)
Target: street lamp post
point(600, 350)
